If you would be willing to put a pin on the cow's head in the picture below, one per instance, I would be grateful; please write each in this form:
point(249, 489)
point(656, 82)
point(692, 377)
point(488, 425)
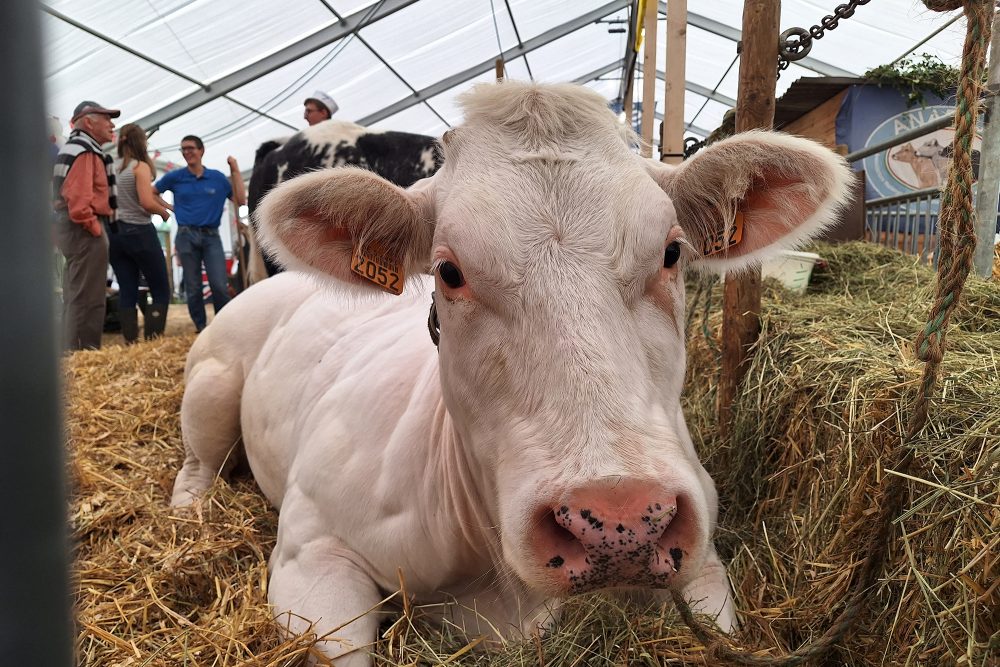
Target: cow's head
point(558, 255)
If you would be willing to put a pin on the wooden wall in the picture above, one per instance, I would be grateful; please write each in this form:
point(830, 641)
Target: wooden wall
point(820, 124)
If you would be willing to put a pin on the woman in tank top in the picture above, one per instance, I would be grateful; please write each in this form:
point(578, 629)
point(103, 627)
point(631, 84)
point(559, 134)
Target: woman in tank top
point(135, 249)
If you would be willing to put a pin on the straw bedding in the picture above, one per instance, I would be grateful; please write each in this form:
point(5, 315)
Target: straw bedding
point(827, 395)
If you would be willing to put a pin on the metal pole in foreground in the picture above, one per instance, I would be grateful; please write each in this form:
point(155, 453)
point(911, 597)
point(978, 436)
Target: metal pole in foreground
point(989, 165)
point(34, 599)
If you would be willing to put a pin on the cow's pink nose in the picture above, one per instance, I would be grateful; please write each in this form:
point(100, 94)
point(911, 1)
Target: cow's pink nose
point(623, 535)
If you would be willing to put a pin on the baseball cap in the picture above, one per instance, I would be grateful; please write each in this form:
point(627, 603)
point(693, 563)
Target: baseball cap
point(89, 106)
point(325, 100)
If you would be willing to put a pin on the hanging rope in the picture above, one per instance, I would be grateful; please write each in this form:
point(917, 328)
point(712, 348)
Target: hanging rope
point(957, 246)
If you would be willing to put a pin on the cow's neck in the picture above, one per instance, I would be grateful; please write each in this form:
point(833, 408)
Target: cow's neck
point(462, 485)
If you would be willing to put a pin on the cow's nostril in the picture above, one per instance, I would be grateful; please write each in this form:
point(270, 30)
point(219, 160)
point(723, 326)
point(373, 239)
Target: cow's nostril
point(675, 534)
point(562, 534)
point(556, 544)
point(559, 518)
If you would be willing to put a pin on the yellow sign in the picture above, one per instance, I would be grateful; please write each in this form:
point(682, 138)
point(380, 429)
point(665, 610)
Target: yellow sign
point(640, 25)
point(725, 238)
point(375, 269)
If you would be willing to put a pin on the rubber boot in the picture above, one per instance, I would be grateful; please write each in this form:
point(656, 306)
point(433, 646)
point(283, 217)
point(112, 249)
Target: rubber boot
point(129, 319)
point(155, 320)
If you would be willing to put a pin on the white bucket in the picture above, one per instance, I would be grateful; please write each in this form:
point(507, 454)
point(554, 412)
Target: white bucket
point(792, 268)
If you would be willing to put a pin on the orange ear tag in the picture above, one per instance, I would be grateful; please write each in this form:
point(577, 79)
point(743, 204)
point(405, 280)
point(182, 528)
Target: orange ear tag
point(723, 241)
point(376, 269)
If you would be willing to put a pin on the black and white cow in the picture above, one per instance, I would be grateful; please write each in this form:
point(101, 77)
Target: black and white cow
point(399, 157)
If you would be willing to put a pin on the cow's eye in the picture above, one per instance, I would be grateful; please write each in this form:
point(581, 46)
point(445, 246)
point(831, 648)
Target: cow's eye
point(451, 275)
point(671, 254)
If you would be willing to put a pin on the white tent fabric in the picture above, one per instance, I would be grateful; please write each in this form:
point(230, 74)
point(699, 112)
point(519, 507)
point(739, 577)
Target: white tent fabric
point(412, 49)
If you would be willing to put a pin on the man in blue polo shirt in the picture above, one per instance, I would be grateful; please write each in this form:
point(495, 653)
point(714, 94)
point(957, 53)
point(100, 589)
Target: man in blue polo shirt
point(199, 197)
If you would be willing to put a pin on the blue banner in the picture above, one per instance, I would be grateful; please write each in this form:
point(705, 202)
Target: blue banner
point(870, 115)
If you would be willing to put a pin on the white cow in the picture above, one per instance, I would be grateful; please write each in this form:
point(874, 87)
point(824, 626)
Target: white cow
point(541, 450)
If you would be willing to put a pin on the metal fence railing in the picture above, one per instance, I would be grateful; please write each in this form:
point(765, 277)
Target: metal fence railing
point(906, 222)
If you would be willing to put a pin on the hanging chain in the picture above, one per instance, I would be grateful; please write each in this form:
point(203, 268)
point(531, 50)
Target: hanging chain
point(795, 43)
point(692, 146)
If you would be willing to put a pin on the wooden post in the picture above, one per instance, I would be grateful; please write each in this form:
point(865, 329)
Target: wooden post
point(649, 76)
point(672, 143)
point(989, 165)
point(754, 109)
point(499, 69)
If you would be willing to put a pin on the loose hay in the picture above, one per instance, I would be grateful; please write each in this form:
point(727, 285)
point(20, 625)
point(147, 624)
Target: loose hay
point(826, 399)
point(153, 586)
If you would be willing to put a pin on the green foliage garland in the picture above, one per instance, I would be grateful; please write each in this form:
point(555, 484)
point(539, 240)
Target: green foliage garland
point(915, 77)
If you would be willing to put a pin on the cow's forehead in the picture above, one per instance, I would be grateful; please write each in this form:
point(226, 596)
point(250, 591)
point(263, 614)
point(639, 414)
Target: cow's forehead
point(548, 170)
point(547, 196)
point(510, 219)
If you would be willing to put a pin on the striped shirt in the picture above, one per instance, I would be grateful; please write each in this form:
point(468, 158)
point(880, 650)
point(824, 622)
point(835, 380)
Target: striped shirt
point(89, 190)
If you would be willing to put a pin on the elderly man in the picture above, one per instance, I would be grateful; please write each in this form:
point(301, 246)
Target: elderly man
point(83, 187)
point(319, 107)
point(200, 195)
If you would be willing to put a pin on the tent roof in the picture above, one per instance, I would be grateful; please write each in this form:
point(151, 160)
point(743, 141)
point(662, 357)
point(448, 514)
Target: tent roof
point(236, 72)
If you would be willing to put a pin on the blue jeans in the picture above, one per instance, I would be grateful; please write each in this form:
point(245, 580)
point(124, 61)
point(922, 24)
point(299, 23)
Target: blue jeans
point(197, 246)
point(136, 249)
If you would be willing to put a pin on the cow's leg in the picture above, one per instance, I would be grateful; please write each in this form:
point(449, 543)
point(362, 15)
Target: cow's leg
point(501, 615)
point(210, 424)
point(709, 593)
point(319, 585)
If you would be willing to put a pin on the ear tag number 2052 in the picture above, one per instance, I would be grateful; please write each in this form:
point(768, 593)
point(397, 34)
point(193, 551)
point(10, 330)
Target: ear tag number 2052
point(375, 269)
point(725, 238)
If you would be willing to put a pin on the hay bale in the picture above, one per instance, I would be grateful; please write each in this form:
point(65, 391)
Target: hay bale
point(827, 398)
point(828, 393)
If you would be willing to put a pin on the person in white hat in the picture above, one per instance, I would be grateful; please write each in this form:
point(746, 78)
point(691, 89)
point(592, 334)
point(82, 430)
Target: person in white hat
point(319, 107)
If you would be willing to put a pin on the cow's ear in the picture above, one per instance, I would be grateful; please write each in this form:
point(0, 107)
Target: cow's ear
point(743, 199)
point(324, 221)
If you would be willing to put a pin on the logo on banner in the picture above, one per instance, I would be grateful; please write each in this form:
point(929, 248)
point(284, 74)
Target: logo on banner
point(916, 164)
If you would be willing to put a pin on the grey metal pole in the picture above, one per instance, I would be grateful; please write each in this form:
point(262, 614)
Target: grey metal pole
point(989, 166)
point(902, 137)
point(35, 612)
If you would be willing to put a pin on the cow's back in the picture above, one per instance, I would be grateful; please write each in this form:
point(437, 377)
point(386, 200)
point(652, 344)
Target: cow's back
point(398, 157)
